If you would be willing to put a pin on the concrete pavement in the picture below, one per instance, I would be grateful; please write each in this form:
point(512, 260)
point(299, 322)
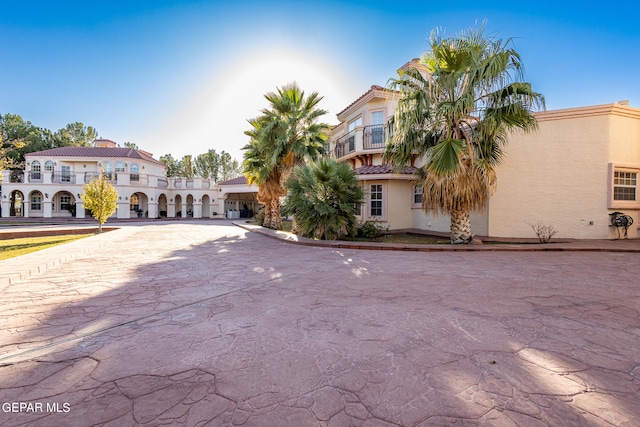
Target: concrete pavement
point(211, 324)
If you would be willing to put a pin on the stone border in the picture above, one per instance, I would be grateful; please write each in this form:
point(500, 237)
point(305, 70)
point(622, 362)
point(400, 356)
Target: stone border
point(633, 245)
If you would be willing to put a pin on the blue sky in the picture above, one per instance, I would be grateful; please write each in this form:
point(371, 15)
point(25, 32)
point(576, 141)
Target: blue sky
point(182, 77)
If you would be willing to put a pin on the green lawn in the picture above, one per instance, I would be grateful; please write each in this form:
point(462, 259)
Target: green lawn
point(15, 247)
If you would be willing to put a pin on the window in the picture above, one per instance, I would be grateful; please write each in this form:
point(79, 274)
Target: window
point(48, 166)
point(35, 170)
point(352, 125)
point(36, 201)
point(119, 167)
point(417, 195)
point(66, 174)
point(625, 185)
point(377, 117)
point(375, 198)
point(65, 202)
point(134, 174)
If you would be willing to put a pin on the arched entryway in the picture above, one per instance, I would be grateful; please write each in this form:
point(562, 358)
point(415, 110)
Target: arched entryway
point(189, 205)
point(63, 205)
point(17, 203)
point(206, 206)
point(179, 205)
point(162, 206)
point(138, 205)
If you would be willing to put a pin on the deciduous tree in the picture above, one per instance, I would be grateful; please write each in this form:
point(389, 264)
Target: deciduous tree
point(100, 196)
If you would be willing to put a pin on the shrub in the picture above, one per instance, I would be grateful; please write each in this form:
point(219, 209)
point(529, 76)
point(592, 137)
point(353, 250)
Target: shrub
point(543, 231)
point(369, 230)
point(322, 197)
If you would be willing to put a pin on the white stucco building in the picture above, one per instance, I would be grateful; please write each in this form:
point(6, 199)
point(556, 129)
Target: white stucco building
point(52, 181)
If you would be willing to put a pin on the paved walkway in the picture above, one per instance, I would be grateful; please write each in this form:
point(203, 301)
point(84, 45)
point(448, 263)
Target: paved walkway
point(210, 324)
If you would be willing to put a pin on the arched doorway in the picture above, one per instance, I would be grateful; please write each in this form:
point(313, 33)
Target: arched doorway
point(189, 205)
point(162, 206)
point(17, 201)
point(138, 205)
point(63, 205)
point(206, 206)
point(179, 205)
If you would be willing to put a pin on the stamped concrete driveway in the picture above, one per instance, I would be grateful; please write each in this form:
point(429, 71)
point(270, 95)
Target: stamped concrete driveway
point(201, 324)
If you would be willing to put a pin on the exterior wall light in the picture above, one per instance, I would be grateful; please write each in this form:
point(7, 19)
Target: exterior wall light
point(46, 196)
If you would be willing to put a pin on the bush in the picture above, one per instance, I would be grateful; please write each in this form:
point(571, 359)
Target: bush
point(543, 231)
point(368, 230)
point(322, 197)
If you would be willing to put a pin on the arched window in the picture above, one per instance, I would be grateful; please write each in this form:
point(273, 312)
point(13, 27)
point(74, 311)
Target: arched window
point(134, 172)
point(48, 166)
point(106, 169)
point(35, 171)
point(119, 167)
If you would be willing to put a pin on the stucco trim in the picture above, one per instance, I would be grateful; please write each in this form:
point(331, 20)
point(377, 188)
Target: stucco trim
point(595, 110)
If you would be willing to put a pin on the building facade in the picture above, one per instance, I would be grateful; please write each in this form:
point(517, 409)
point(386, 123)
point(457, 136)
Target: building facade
point(51, 184)
point(575, 173)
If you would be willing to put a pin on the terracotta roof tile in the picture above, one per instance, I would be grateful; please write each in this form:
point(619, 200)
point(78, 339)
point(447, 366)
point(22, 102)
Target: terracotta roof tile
point(98, 152)
point(235, 181)
point(382, 169)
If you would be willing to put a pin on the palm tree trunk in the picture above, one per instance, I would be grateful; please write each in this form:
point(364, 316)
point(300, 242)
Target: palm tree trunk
point(276, 220)
point(266, 222)
point(294, 225)
point(460, 226)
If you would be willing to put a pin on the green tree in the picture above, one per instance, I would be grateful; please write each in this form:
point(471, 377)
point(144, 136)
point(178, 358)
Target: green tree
point(173, 166)
point(229, 167)
point(75, 134)
point(131, 145)
point(207, 165)
point(186, 168)
point(29, 137)
point(285, 135)
point(458, 105)
point(322, 197)
point(101, 198)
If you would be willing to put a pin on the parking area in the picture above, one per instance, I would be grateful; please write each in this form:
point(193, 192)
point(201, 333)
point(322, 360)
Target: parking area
point(207, 323)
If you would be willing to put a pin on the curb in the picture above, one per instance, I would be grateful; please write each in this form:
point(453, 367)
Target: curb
point(19, 268)
point(595, 246)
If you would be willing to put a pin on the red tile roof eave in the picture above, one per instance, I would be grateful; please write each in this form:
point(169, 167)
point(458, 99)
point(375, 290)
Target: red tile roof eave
point(95, 153)
point(361, 97)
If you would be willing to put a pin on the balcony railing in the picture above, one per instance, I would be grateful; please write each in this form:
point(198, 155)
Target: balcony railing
point(345, 145)
point(163, 183)
point(35, 176)
point(16, 177)
point(64, 178)
point(374, 137)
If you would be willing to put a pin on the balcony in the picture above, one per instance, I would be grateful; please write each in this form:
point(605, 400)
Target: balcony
point(374, 137)
point(35, 176)
point(63, 178)
point(345, 145)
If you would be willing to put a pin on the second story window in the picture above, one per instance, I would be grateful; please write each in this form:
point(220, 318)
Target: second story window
point(48, 166)
point(354, 124)
point(134, 172)
point(35, 170)
point(417, 195)
point(119, 167)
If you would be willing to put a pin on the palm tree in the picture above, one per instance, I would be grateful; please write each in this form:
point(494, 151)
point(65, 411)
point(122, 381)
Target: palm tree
point(458, 104)
point(285, 135)
point(322, 197)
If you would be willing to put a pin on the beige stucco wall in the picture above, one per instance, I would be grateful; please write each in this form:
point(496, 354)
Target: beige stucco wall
point(442, 223)
point(559, 175)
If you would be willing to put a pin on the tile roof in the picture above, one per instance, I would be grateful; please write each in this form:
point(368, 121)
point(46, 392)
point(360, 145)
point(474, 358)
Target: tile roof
point(381, 169)
point(235, 181)
point(98, 152)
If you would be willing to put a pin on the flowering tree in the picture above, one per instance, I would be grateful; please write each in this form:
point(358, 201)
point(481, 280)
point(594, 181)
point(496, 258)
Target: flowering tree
point(101, 198)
